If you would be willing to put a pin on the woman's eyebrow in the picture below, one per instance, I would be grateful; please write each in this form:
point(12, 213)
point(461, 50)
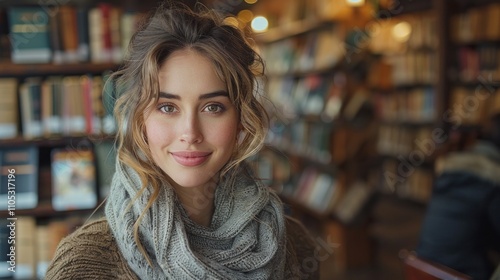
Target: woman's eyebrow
point(203, 96)
point(169, 95)
point(214, 94)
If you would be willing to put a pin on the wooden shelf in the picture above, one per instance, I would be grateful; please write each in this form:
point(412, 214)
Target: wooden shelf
point(45, 210)
point(409, 123)
point(476, 83)
point(460, 5)
point(9, 69)
point(304, 73)
point(291, 30)
point(298, 206)
point(408, 7)
point(289, 150)
point(53, 141)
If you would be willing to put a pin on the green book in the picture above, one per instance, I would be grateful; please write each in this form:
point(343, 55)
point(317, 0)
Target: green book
point(29, 34)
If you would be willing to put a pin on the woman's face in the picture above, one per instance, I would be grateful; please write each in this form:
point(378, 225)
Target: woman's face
point(193, 127)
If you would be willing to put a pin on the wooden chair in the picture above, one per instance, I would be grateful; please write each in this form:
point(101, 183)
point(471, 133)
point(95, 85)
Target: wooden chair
point(416, 268)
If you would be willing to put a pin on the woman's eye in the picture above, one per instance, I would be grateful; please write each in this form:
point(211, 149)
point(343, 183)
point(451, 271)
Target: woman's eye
point(214, 108)
point(167, 109)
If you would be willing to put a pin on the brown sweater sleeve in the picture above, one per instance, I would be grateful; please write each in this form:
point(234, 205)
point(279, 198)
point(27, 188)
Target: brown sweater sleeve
point(89, 253)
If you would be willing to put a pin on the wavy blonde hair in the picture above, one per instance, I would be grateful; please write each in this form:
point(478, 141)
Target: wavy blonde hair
point(171, 28)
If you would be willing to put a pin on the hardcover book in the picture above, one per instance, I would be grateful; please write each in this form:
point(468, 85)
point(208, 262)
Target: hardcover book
point(8, 108)
point(73, 179)
point(29, 34)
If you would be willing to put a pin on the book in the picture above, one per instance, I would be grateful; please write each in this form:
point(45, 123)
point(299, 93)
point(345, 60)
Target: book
point(25, 248)
point(21, 163)
point(73, 179)
point(51, 106)
point(5, 251)
point(69, 29)
point(105, 152)
point(352, 202)
point(31, 103)
point(29, 34)
point(73, 106)
point(5, 49)
point(43, 250)
point(56, 37)
point(8, 108)
point(83, 34)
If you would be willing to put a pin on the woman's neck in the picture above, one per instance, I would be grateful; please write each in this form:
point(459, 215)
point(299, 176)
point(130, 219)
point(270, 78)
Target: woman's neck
point(198, 202)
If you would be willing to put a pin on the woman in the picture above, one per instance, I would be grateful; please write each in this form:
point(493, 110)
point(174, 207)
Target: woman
point(183, 204)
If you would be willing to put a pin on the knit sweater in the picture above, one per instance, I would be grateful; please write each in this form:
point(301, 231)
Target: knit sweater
point(92, 253)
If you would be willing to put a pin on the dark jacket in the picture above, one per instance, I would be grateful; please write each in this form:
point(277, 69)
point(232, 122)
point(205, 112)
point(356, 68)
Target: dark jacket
point(463, 217)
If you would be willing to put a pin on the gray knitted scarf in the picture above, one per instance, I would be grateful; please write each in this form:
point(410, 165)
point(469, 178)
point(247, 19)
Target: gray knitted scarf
point(246, 238)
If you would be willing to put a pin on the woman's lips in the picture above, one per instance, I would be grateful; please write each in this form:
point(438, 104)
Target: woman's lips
point(190, 158)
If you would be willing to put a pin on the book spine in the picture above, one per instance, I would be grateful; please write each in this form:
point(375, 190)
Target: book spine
point(8, 108)
point(29, 34)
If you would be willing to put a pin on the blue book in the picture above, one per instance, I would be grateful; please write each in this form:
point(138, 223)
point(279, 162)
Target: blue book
point(29, 34)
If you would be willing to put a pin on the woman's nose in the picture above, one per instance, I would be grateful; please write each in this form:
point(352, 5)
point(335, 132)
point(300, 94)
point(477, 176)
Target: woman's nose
point(191, 130)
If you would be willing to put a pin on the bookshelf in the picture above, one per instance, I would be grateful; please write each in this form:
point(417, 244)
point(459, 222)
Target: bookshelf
point(56, 107)
point(320, 127)
point(414, 86)
point(474, 77)
point(407, 88)
point(9, 69)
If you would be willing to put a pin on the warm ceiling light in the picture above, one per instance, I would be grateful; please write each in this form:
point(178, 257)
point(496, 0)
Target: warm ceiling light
point(401, 31)
point(251, 1)
point(245, 15)
point(259, 24)
point(356, 3)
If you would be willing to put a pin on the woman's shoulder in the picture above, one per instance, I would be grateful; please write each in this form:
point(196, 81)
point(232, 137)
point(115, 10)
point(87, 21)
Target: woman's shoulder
point(89, 252)
point(93, 235)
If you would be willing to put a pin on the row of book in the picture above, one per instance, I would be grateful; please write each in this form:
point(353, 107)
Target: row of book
point(402, 141)
point(312, 95)
point(477, 24)
point(314, 189)
point(472, 105)
point(316, 50)
point(310, 139)
point(69, 34)
point(311, 188)
point(406, 180)
point(414, 105)
point(423, 31)
point(403, 34)
point(472, 63)
point(78, 176)
point(56, 105)
point(35, 246)
point(414, 68)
